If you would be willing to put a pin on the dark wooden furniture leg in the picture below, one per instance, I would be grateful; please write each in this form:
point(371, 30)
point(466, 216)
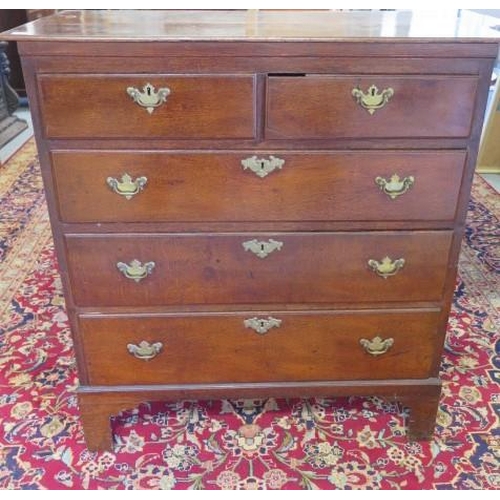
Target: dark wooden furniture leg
point(95, 419)
point(423, 410)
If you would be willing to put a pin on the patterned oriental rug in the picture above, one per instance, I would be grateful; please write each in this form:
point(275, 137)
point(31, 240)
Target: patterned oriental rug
point(342, 443)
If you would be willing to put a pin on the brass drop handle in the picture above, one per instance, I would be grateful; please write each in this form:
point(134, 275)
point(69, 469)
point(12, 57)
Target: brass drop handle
point(386, 267)
point(395, 186)
point(126, 186)
point(135, 270)
point(145, 350)
point(262, 167)
point(262, 248)
point(373, 99)
point(149, 98)
point(262, 325)
point(376, 346)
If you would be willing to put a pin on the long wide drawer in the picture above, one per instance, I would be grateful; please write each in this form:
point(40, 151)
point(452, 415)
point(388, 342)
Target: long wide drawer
point(114, 106)
point(254, 347)
point(147, 269)
point(352, 106)
point(117, 186)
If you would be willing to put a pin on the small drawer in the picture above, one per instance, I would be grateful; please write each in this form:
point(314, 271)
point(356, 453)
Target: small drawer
point(119, 186)
point(247, 268)
point(148, 106)
point(352, 106)
point(256, 347)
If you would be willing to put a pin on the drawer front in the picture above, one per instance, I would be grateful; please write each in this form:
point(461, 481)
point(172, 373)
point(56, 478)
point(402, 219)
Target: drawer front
point(225, 348)
point(414, 106)
point(197, 106)
point(188, 187)
point(257, 268)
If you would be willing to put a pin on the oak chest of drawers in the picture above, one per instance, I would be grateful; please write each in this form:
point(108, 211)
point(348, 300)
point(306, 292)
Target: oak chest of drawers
point(255, 204)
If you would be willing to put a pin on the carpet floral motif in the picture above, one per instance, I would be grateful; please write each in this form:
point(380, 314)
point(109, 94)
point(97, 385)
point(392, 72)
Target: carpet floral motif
point(341, 443)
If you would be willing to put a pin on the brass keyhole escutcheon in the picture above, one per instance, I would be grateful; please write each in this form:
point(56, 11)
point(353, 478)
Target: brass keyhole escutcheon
point(262, 325)
point(149, 98)
point(262, 248)
point(262, 167)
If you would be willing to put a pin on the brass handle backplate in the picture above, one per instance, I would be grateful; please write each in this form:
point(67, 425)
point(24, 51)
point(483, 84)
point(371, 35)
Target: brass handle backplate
point(262, 248)
point(261, 325)
point(145, 350)
point(376, 346)
point(395, 186)
point(127, 187)
point(262, 166)
point(386, 267)
point(135, 270)
point(149, 98)
point(372, 99)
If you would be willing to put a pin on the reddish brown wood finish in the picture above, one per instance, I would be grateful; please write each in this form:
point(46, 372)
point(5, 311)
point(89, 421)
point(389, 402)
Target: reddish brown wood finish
point(216, 269)
point(219, 348)
point(197, 107)
point(312, 186)
point(273, 84)
point(323, 106)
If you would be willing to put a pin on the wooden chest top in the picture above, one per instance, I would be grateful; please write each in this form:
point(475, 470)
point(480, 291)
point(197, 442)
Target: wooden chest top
point(258, 25)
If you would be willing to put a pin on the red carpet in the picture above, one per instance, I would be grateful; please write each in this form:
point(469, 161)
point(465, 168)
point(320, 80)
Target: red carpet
point(262, 444)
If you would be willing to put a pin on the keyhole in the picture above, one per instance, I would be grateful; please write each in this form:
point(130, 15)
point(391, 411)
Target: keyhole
point(262, 165)
point(148, 90)
point(373, 92)
point(262, 247)
point(261, 323)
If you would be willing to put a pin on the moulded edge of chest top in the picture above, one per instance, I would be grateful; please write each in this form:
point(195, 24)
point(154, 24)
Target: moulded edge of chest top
point(462, 48)
point(258, 64)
